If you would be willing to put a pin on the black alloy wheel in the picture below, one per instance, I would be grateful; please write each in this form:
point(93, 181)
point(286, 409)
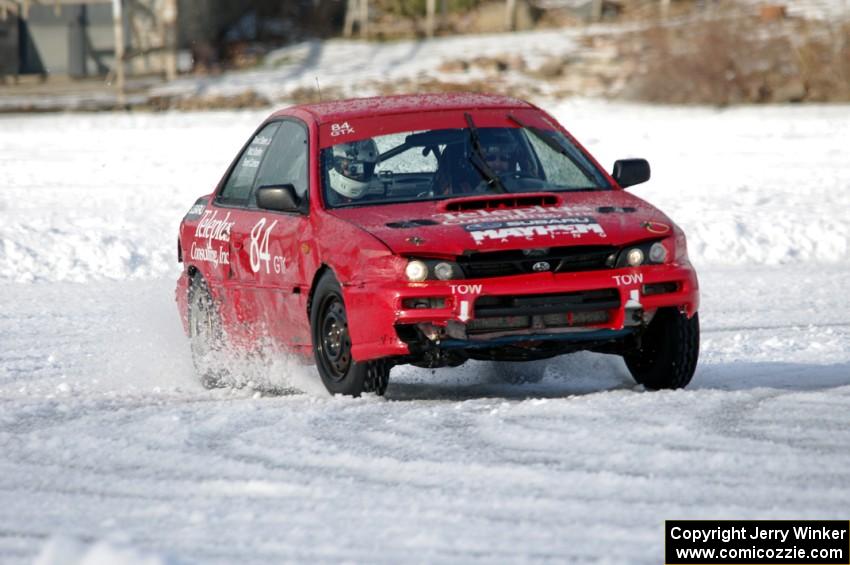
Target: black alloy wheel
point(335, 341)
point(340, 373)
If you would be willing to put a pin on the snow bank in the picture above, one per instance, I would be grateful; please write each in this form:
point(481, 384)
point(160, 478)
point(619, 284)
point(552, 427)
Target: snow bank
point(357, 68)
point(61, 550)
point(89, 197)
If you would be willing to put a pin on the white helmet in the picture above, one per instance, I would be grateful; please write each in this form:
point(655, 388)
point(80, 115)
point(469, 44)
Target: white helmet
point(353, 167)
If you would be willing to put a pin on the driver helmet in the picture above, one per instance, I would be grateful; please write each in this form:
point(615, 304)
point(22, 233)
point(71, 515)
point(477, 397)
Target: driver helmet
point(353, 166)
point(499, 148)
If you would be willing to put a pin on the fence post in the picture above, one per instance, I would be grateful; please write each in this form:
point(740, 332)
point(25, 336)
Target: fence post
point(510, 15)
point(364, 18)
point(348, 27)
point(429, 17)
point(596, 11)
point(169, 19)
point(118, 30)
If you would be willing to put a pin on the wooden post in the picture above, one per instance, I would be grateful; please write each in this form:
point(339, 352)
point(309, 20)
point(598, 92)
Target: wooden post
point(169, 19)
point(665, 8)
point(431, 8)
point(364, 18)
point(510, 15)
point(118, 30)
point(348, 27)
point(596, 11)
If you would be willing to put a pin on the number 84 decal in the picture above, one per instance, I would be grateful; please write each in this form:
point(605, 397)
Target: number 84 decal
point(259, 249)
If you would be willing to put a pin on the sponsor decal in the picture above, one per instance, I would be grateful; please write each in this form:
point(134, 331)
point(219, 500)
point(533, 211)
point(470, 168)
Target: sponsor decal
point(626, 280)
point(212, 228)
point(528, 228)
point(219, 256)
point(656, 227)
point(341, 129)
point(254, 153)
point(531, 212)
point(259, 249)
point(466, 288)
point(196, 210)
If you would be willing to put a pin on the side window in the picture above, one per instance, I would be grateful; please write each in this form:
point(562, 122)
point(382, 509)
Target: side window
point(286, 161)
point(238, 186)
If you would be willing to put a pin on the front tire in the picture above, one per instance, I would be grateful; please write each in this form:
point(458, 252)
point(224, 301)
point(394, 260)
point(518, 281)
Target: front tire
point(667, 355)
point(340, 373)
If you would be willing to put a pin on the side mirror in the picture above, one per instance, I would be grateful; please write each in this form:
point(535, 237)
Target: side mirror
point(280, 198)
point(629, 172)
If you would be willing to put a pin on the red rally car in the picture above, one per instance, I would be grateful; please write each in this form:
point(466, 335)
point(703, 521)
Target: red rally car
point(432, 229)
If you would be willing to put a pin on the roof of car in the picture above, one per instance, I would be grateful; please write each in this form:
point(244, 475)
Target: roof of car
point(404, 103)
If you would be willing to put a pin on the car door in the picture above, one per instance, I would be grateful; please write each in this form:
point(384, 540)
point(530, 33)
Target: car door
point(241, 305)
point(270, 254)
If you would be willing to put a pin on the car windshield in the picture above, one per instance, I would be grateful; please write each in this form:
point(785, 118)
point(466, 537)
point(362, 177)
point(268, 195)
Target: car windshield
point(451, 163)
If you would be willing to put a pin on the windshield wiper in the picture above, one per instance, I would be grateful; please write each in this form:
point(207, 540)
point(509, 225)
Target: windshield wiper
point(478, 159)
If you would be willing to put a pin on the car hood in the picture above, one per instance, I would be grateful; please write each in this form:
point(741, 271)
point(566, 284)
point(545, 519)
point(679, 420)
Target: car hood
point(453, 227)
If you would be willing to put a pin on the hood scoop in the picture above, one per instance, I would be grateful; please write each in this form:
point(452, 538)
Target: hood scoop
point(411, 224)
point(499, 202)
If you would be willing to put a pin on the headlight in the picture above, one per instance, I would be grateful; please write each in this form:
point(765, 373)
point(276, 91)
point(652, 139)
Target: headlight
point(634, 257)
point(657, 253)
point(637, 254)
point(443, 271)
point(416, 271)
point(419, 270)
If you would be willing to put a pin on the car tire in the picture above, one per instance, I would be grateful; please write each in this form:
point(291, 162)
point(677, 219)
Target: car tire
point(206, 336)
point(666, 357)
point(340, 373)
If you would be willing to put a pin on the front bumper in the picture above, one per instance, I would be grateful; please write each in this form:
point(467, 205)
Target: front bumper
point(583, 306)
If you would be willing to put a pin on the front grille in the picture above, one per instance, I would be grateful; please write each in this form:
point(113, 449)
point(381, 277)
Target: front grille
point(540, 304)
point(542, 311)
point(479, 265)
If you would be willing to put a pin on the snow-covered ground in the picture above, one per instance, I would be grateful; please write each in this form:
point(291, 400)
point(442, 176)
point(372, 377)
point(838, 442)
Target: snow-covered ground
point(111, 452)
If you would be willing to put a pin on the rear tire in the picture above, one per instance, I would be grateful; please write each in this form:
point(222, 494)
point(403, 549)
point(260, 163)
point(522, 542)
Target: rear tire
point(206, 336)
point(668, 352)
point(340, 373)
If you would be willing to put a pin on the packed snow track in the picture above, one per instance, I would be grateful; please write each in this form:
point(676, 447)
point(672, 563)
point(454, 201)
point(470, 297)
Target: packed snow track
point(109, 447)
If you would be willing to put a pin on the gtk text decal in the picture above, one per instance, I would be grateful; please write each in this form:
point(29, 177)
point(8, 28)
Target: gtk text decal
point(341, 129)
point(259, 249)
point(542, 227)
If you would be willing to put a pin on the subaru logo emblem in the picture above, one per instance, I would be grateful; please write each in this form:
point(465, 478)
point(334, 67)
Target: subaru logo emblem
point(540, 266)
